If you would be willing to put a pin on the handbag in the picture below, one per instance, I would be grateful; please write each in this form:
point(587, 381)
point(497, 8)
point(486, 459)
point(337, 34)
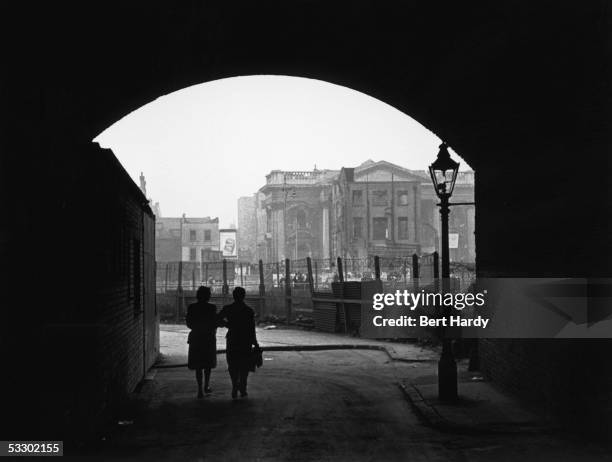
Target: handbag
point(256, 357)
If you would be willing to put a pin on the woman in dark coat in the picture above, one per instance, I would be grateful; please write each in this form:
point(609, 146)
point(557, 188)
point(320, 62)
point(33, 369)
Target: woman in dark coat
point(239, 319)
point(202, 320)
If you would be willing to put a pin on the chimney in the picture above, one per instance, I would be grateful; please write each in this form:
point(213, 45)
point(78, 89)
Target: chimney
point(143, 184)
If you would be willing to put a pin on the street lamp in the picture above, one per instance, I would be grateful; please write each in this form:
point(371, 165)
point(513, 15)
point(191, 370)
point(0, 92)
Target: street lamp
point(443, 175)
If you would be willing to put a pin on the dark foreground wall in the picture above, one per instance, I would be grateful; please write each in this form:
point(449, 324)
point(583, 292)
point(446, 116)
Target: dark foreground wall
point(87, 328)
point(568, 380)
point(520, 89)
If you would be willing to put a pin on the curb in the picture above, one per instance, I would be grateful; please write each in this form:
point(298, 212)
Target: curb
point(432, 418)
point(318, 348)
point(428, 415)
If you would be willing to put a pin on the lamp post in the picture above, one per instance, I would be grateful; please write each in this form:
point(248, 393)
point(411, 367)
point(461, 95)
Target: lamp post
point(443, 175)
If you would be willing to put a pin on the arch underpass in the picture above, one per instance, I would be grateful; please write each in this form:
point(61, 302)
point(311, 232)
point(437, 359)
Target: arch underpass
point(520, 90)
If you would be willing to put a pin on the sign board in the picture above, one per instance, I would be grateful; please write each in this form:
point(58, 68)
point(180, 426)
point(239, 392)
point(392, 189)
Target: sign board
point(227, 242)
point(453, 240)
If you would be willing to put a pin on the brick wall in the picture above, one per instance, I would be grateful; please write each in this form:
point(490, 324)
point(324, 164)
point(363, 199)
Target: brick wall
point(86, 330)
point(568, 380)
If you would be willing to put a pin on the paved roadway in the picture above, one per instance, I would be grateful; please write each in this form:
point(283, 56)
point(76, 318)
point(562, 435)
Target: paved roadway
point(314, 406)
point(173, 342)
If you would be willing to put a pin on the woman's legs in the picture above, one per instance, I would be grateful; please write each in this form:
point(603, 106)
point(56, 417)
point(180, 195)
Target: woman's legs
point(207, 380)
point(198, 374)
point(233, 372)
point(244, 375)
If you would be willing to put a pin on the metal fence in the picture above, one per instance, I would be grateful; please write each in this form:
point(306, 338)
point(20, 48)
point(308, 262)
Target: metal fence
point(286, 290)
point(190, 275)
point(464, 274)
point(395, 272)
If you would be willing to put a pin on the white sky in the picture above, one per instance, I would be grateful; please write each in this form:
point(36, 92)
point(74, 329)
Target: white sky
point(202, 147)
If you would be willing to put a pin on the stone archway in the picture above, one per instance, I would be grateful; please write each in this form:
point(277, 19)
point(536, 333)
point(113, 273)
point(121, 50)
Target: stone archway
point(510, 99)
point(518, 88)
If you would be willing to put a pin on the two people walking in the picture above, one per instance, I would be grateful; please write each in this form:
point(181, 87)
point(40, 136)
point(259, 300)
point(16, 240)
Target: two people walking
point(203, 321)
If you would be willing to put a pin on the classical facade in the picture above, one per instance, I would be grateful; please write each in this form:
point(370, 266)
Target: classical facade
point(376, 208)
point(293, 215)
point(377, 211)
point(383, 209)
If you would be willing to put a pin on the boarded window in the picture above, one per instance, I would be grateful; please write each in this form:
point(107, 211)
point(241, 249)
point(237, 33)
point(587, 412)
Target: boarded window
point(379, 197)
point(402, 228)
point(380, 228)
point(357, 227)
point(300, 218)
point(402, 197)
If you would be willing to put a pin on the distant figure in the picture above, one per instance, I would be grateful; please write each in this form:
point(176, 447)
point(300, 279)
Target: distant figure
point(202, 320)
point(239, 319)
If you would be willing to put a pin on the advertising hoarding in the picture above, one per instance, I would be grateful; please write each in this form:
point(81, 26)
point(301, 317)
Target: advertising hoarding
point(227, 242)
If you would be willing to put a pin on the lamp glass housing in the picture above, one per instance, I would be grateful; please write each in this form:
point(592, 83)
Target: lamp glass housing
point(444, 172)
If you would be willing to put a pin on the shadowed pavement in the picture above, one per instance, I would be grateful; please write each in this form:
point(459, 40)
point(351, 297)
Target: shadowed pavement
point(306, 406)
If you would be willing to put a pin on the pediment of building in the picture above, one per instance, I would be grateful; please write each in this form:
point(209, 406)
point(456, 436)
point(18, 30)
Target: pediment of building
point(386, 171)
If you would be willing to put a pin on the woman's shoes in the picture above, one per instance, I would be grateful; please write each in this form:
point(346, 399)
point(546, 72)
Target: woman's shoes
point(235, 390)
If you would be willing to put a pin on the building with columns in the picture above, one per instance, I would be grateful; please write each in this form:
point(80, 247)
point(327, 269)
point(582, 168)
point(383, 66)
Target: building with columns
point(293, 211)
point(377, 211)
point(383, 209)
point(376, 208)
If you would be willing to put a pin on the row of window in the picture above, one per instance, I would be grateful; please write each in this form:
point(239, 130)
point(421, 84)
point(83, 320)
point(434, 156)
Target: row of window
point(380, 197)
point(193, 235)
point(204, 254)
point(380, 228)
